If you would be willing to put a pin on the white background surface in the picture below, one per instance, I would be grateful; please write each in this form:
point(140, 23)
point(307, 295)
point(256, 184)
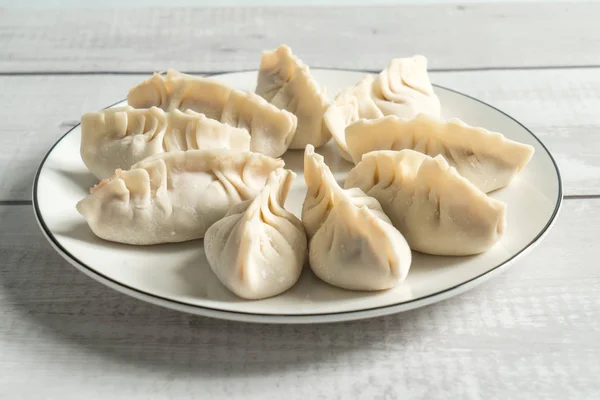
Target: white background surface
point(531, 333)
point(229, 3)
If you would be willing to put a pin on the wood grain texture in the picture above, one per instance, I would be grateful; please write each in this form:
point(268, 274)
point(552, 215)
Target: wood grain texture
point(558, 105)
point(530, 333)
point(217, 39)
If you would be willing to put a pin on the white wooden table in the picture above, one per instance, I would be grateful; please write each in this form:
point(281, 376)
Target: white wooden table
point(534, 332)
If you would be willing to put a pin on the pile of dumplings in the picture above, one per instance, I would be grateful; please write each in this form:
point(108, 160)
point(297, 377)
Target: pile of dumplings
point(191, 158)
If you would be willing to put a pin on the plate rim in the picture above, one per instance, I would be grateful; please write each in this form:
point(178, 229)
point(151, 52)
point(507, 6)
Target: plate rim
point(296, 318)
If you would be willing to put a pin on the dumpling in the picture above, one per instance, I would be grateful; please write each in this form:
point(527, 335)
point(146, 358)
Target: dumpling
point(487, 159)
point(321, 193)
point(117, 138)
point(402, 89)
point(276, 69)
point(258, 250)
point(437, 210)
point(177, 91)
point(287, 83)
point(353, 245)
point(176, 196)
point(350, 105)
point(356, 250)
point(271, 129)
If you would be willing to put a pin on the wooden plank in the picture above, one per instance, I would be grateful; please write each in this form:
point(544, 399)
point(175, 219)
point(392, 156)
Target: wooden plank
point(558, 105)
point(532, 332)
point(217, 39)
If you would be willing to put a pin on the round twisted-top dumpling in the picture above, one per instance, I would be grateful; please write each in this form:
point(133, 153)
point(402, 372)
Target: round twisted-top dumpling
point(322, 191)
point(175, 90)
point(286, 82)
point(487, 159)
point(258, 249)
point(437, 210)
point(353, 245)
point(117, 138)
point(402, 89)
point(176, 196)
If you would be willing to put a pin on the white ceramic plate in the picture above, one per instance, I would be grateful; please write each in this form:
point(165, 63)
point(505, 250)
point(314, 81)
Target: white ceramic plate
point(178, 275)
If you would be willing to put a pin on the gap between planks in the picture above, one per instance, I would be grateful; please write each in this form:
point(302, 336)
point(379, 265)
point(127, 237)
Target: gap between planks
point(468, 69)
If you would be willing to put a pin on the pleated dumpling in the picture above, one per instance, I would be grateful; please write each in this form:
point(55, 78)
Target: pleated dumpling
point(271, 129)
point(177, 91)
point(352, 245)
point(117, 138)
point(350, 105)
point(284, 81)
point(437, 210)
point(487, 159)
point(402, 89)
point(258, 249)
point(176, 196)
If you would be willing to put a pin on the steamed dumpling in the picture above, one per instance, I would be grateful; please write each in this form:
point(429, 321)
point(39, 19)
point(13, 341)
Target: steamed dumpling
point(437, 210)
point(321, 193)
point(350, 105)
point(287, 83)
point(176, 196)
point(487, 159)
point(177, 91)
point(258, 249)
point(402, 89)
point(353, 245)
point(117, 138)
point(276, 69)
point(271, 129)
